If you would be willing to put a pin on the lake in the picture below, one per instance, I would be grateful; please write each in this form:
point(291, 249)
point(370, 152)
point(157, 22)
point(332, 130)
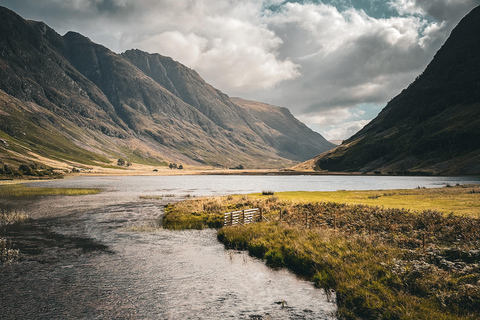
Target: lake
point(207, 185)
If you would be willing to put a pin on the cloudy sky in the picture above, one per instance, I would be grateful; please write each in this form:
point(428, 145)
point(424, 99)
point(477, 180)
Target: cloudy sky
point(333, 63)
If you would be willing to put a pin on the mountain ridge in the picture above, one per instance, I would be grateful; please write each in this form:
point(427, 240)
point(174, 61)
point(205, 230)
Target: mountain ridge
point(134, 105)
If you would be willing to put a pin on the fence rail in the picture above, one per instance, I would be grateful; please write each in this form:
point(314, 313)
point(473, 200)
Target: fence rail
point(243, 217)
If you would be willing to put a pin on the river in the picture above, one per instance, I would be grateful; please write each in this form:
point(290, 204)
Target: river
point(81, 260)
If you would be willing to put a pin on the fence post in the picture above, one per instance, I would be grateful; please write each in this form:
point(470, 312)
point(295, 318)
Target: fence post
point(335, 221)
point(306, 219)
point(261, 214)
point(243, 216)
point(231, 219)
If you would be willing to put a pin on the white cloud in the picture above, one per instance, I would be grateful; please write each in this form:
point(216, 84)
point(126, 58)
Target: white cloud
point(407, 7)
point(351, 58)
point(336, 124)
point(226, 42)
point(441, 10)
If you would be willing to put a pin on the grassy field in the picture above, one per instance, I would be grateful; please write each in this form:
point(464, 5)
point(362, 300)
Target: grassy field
point(22, 191)
point(397, 254)
point(461, 200)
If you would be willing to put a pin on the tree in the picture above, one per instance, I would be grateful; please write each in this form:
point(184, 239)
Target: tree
point(172, 166)
point(121, 162)
point(180, 167)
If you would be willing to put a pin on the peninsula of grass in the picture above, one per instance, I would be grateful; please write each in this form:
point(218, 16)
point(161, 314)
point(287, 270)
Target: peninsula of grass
point(22, 191)
point(381, 262)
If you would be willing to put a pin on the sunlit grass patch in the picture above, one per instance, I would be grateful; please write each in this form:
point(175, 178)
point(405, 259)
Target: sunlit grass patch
point(22, 191)
point(208, 212)
point(461, 200)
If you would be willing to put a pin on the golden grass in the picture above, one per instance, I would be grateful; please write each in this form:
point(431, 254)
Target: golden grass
point(461, 200)
point(372, 280)
point(22, 191)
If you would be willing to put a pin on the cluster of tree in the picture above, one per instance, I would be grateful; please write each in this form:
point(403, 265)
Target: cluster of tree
point(175, 166)
point(121, 162)
point(239, 167)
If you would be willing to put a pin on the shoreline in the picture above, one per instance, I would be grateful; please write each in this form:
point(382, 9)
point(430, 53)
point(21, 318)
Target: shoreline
point(200, 172)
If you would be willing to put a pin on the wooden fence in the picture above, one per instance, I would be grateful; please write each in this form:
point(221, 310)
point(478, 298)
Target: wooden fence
point(243, 217)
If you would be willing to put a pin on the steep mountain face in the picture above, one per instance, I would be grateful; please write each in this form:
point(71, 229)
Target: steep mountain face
point(69, 98)
point(284, 131)
point(433, 126)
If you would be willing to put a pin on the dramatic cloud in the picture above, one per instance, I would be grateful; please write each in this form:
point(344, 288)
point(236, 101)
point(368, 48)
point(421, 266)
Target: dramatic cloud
point(333, 63)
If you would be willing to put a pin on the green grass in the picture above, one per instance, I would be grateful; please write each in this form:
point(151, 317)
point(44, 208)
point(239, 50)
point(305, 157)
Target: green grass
point(22, 191)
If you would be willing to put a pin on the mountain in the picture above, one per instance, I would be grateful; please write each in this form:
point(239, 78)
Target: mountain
point(284, 131)
point(69, 99)
point(432, 127)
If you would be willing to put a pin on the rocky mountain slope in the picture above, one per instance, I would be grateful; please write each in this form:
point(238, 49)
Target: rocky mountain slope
point(432, 127)
point(67, 98)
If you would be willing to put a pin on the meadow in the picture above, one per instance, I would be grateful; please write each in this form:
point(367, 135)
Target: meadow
point(8, 191)
point(397, 254)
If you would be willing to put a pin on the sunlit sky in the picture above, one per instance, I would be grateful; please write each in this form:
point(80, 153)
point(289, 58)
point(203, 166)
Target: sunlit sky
point(334, 63)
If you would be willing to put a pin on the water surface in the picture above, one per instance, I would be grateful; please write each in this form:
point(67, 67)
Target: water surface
point(81, 261)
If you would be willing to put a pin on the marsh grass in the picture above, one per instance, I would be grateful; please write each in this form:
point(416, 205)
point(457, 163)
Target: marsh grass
point(460, 199)
point(7, 254)
point(382, 262)
point(371, 279)
point(150, 226)
point(11, 218)
point(201, 213)
point(7, 218)
point(22, 191)
point(152, 197)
